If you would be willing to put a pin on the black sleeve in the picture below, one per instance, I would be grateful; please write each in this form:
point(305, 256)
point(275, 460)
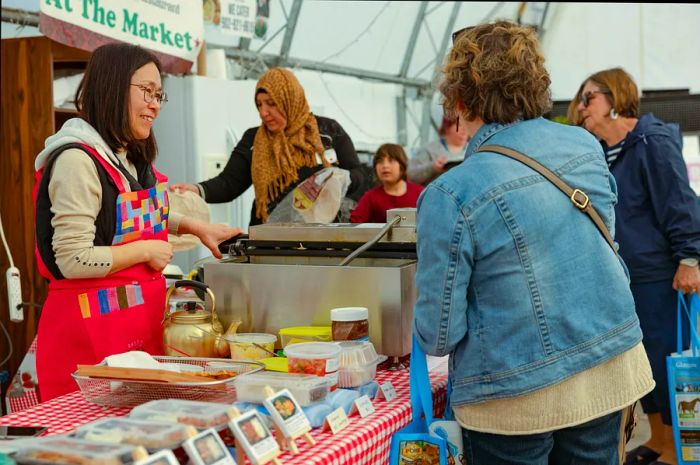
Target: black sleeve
point(347, 157)
point(236, 176)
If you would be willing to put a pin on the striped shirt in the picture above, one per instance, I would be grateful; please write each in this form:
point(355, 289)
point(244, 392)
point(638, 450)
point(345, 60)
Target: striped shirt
point(613, 152)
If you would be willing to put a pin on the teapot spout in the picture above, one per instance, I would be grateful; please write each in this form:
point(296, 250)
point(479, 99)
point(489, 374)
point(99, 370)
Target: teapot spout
point(232, 328)
point(222, 344)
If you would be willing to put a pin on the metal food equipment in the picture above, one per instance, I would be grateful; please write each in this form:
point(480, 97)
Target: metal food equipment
point(293, 275)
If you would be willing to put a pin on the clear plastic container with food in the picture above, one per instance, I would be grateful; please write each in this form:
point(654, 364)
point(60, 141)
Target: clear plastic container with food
point(147, 433)
point(75, 451)
point(299, 334)
point(306, 389)
point(358, 363)
point(251, 346)
point(201, 415)
point(315, 358)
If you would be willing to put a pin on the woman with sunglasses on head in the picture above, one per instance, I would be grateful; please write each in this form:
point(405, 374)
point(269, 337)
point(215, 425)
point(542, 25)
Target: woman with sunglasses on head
point(291, 145)
point(519, 283)
point(102, 221)
point(657, 227)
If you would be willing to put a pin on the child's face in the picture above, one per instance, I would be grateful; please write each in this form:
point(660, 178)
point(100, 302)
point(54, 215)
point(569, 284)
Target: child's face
point(388, 170)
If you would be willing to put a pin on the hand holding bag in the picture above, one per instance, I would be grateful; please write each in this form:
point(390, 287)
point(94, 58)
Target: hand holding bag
point(425, 440)
point(684, 386)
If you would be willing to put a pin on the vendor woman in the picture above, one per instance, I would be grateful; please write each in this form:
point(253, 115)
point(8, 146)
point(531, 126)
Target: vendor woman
point(102, 221)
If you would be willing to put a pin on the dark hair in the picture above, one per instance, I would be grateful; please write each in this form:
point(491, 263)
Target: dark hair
point(102, 98)
point(393, 151)
point(497, 71)
point(618, 88)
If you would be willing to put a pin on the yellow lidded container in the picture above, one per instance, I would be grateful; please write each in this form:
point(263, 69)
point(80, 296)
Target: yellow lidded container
point(297, 334)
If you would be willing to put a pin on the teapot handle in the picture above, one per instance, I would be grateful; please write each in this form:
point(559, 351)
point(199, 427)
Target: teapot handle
point(202, 287)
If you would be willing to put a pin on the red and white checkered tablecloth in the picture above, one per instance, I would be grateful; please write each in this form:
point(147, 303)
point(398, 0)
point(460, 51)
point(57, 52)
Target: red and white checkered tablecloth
point(365, 441)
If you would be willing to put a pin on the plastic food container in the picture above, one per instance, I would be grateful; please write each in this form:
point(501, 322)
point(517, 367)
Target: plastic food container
point(350, 324)
point(358, 363)
point(299, 334)
point(242, 347)
point(315, 358)
point(306, 389)
point(149, 434)
point(62, 450)
point(201, 415)
point(275, 364)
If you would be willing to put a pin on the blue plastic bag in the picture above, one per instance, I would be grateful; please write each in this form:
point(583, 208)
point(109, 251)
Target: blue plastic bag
point(684, 386)
point(425, 439)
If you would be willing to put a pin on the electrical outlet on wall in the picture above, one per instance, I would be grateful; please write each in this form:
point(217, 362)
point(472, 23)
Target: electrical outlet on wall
point(14, 294)
point(212, 165)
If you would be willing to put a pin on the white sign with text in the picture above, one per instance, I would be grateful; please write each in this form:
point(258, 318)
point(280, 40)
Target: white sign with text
point(173, 27)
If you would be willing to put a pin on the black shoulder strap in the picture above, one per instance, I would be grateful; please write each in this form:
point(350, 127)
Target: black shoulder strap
point(577, 196)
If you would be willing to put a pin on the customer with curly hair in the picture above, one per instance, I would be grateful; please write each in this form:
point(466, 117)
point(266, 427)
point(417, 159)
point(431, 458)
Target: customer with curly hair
point(516, 284)
point(658, 220)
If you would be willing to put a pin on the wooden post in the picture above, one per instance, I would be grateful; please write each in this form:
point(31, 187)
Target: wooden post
point(202, 60)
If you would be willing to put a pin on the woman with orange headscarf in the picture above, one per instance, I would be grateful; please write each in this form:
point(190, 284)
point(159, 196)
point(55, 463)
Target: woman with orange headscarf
point(290, 145)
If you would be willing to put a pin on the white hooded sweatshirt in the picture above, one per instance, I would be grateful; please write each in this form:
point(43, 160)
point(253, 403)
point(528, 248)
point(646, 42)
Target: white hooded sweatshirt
point(76, 198)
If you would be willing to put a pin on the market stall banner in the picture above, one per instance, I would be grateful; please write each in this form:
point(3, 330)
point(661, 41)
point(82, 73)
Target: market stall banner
point(173, 29)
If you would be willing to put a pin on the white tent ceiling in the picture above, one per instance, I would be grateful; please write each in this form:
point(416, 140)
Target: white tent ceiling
point(654, 42)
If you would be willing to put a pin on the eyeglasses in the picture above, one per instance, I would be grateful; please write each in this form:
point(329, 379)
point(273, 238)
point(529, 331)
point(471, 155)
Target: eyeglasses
point(459, 33)
point(149, 94)
point(586, 97)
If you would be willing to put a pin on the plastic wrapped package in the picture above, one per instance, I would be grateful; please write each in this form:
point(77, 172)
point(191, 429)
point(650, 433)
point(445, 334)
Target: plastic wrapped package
point(358, 363)
point(150, 434)
point(370, 389)
point(201, 415)
point(316, 413)
point(306, 389)
point(64, 450)
point(342, 398)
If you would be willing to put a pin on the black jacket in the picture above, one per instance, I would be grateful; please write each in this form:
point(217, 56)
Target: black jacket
point(236, 176)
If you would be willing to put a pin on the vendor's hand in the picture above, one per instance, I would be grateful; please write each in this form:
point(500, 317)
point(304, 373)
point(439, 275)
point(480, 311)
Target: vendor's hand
point(687, 279)
point(212, 235)
point(158, 253)
point(184, 187)
point(439, 164)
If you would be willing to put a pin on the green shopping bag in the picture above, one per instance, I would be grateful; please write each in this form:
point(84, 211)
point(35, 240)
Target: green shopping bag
point(684, 386)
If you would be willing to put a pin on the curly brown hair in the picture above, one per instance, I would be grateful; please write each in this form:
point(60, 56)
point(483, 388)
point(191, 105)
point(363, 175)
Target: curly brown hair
point(617, 86)
point(497, 71)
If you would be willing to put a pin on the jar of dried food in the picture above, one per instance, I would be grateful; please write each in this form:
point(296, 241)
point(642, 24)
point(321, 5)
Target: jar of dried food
point(350, 324)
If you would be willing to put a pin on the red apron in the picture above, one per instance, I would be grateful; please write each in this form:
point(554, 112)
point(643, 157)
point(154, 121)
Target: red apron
point(85, 320)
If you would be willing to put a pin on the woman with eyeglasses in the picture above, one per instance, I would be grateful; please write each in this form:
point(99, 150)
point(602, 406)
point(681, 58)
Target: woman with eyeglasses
point(288, 147)
point(102, 221)
point(518, 282)
point(657, 227)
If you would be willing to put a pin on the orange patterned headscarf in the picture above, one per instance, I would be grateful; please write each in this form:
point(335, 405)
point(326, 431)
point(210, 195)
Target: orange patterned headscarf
point(278, 157)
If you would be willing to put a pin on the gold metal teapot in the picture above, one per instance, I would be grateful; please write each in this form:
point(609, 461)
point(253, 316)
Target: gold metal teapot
point(195, 332)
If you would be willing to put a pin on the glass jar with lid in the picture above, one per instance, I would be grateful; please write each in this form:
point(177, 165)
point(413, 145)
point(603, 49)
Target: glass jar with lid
point(350, 324)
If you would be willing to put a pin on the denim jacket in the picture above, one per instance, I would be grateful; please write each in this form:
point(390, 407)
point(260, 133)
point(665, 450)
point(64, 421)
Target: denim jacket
point(514, 282)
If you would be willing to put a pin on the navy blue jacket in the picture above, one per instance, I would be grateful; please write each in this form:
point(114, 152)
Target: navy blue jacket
point(657, 214)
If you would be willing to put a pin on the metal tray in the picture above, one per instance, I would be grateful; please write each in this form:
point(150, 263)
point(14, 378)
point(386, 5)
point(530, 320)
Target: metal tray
point(130, 393)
